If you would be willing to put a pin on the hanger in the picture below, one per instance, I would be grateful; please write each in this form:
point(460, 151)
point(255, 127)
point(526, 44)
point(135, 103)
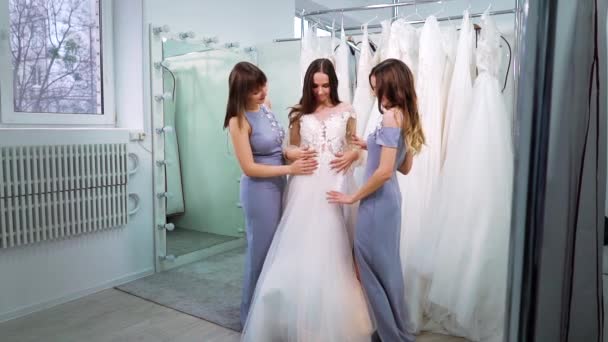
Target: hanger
point(368, 22)
point(416, 13)
point(372, 45)
point(440, 11)
point(508, 65)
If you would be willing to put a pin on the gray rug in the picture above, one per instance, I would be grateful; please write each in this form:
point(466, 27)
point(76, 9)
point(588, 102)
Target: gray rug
point(209, 289)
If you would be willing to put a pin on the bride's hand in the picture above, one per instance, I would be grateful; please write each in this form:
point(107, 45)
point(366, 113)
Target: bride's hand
point(343, 161)
point(337, 197)
point(295, 153)
point(355, 140)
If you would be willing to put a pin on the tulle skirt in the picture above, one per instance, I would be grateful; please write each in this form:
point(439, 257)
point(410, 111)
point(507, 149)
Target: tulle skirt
point(308, 290)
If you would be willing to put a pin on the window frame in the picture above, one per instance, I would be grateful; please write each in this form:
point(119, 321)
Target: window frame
point(8, 115)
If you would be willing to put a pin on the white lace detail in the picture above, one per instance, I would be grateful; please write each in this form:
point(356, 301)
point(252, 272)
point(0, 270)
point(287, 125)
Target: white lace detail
point(488, 49)
point(327, 136)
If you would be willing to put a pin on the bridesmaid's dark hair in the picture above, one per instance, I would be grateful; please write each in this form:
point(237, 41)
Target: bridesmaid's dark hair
point(308, 102)
point(395, 82)
point(245, 78)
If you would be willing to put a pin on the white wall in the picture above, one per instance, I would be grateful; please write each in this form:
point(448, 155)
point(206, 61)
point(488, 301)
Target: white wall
point(247, 22)
point(40, 276)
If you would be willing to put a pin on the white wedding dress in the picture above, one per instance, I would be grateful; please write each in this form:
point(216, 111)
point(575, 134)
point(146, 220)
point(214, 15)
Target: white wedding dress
point(418, 185)
point(384, 51)
point(460, 92)
point(461, 86)
point(364, 98)
point(308, 290)
point(473, 208)
point(342, 69)
point(406, 39)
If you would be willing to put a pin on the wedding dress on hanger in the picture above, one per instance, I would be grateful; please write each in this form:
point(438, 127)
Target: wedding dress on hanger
point(342, 68)
point(417, 186)
point(364, 98)
point(473, 204)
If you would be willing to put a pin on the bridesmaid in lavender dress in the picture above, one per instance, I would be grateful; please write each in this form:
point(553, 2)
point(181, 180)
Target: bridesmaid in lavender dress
point(390, 148)
point(258, 139)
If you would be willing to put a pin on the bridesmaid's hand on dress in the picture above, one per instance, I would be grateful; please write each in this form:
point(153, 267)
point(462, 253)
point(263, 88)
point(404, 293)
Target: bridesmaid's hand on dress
point(359, 142)
point(294, 153)
point(303, 166)
point(344, 161)
point(337, 197)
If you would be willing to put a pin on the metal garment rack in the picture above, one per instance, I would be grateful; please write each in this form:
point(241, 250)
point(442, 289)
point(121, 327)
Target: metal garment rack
point(394, 6)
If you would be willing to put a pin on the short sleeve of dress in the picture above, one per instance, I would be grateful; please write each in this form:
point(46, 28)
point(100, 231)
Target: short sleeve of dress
point(389, 132)
point(388, 136)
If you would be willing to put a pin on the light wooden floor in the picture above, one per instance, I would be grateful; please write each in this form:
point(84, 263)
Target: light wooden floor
point(112, 315)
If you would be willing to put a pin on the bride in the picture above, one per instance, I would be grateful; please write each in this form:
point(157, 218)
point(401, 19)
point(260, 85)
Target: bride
point(308, 290)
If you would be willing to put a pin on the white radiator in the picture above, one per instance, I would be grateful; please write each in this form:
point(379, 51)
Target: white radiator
point(51, 192)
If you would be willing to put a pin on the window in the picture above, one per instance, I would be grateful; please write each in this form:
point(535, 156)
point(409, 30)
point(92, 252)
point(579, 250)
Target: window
point(297, 28)
point(323, 33)
point(55, 62)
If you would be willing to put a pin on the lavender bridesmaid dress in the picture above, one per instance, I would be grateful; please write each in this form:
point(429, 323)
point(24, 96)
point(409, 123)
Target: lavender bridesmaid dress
point(261, 198)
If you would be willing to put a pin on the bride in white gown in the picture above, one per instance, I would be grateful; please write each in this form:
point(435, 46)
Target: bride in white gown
point(308, 290)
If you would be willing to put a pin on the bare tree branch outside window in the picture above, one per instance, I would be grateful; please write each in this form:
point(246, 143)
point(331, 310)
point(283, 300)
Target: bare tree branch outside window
point(56, 56)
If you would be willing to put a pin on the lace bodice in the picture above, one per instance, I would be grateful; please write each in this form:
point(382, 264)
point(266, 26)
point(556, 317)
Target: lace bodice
point(406, 37)
point(327, 136)
point(488, 49)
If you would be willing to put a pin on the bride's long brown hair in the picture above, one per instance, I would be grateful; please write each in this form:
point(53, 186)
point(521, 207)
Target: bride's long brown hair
point(395, 83)
point(308, 103)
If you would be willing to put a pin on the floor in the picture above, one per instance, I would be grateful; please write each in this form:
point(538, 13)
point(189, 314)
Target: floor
point(209, 289)
point(183, 241)
point(113, 316)
point(109, 316)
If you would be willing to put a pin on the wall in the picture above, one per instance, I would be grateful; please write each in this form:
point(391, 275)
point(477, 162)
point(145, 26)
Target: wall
point(47, 274)
point(247, 22)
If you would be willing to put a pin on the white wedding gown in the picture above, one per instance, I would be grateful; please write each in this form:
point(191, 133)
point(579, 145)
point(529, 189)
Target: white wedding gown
point(461, 86)
point(364, 98)
point(473, 207)
point(342, 69)
point(417, 186)
point(460, 92)
point(308, 290)
point(383, 52)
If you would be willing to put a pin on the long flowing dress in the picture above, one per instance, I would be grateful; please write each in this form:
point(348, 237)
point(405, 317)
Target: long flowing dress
point(418, 185)
point(377, 239)
point(473, 205)
point(308, 290)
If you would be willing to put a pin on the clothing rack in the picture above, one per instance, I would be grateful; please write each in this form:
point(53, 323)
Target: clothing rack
point(412, 22)
point(374, 7)
point(395, 5)
point(448, 18)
